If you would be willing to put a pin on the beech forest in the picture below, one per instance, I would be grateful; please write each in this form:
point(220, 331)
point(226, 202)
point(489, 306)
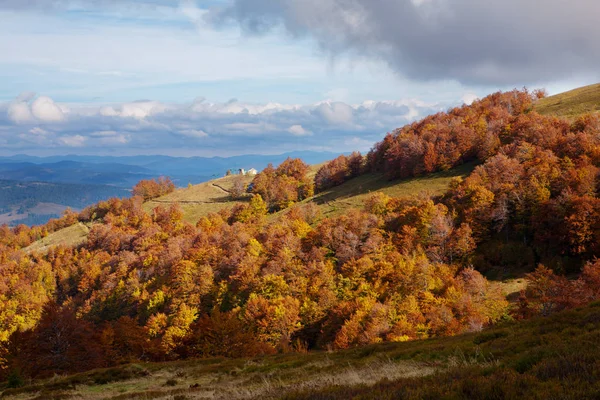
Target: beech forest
point(273, 274)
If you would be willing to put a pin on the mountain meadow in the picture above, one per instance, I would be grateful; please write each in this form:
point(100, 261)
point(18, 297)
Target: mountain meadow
point(457, 259)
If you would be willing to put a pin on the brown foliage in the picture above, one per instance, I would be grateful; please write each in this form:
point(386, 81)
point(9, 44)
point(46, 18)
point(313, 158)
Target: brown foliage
point(153, 188)
point(60, 343)
point(285, 185)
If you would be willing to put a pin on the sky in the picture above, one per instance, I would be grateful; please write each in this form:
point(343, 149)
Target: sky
point(230, 77)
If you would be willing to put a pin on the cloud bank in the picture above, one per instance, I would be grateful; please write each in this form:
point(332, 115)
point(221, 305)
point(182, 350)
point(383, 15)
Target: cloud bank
point(39, 124)
point(508, 42)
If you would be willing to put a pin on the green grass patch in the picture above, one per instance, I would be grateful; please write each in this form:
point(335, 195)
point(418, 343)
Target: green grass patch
point(572, 103)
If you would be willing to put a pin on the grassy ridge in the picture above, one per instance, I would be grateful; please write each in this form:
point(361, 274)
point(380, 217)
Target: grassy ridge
point(69, 236)
point(352, 194)
point(209, 197)
point(200, 200)
point(555, 357)
point(572, 103)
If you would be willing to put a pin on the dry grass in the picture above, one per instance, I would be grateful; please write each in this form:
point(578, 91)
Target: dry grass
point(233, 379)
point(572, 103)
point(353, 193)
point(70, 236)
point(200, 200)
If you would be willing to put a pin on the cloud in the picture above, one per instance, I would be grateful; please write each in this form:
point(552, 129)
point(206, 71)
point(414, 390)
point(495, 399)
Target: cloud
point(193, 133)
point(506, 42)
point(298, 130)
point(232, 127)
point(38, 131)
point(42, 109)
point(19, 112)
point(469, 98)
point(335, 113)
point(72, 141)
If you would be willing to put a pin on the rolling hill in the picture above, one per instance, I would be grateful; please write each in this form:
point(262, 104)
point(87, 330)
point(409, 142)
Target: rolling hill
point(202, 199)
point(549, 357)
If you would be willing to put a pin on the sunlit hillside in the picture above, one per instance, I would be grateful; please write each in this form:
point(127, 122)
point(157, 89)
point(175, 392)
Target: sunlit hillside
point(572, 103)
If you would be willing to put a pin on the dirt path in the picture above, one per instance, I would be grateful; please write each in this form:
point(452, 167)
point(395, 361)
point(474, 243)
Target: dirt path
point(222, 189)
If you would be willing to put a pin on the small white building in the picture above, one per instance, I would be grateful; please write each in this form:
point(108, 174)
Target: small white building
point(251, 171)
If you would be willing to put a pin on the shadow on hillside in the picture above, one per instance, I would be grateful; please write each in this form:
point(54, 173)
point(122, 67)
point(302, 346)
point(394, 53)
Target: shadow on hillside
point(369, 183)
point(228, 199)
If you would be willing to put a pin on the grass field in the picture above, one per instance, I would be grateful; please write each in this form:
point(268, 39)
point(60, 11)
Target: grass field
point(572, 103)
point(353, 193)
point(554, 357)
point(70, 236)
point(200, 200)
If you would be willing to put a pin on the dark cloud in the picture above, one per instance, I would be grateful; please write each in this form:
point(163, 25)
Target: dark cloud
point(508, 42)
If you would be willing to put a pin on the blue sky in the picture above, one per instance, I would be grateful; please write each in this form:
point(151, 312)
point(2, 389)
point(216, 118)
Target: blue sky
point(233, 77)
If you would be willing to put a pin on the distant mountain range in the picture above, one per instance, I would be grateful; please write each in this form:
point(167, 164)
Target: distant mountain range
point(125, 171)
point(89, 179)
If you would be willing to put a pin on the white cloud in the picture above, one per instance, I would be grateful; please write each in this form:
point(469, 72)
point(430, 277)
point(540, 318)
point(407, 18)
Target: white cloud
point(19, 113)
point(232, 127)
point(298, 130)
point(115, 140)
point(194, 133)
point(72, 141)
point(25, 97)
point(141, 109)
point(469, 98)
point(104, 133)
point(42, 109)
point(336, 113)
point(38, 131)
point(45, 110)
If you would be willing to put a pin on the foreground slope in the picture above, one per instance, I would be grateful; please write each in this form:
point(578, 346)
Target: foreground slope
point(543, 358)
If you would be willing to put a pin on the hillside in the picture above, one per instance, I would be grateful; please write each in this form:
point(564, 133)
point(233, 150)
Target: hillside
point(210, 197)
point(353, 193)
point(572, 103)
point(538, 359)
point(202, 199)
point(467, 199)
point(71, 236)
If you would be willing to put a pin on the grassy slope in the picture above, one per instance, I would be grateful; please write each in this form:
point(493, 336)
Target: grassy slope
point(554, 357)
point(572, 103)
point(70, 236)
point(353, 193)
point(200, 200)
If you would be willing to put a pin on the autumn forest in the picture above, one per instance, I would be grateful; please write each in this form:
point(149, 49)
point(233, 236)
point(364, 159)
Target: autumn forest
point(273, 274)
